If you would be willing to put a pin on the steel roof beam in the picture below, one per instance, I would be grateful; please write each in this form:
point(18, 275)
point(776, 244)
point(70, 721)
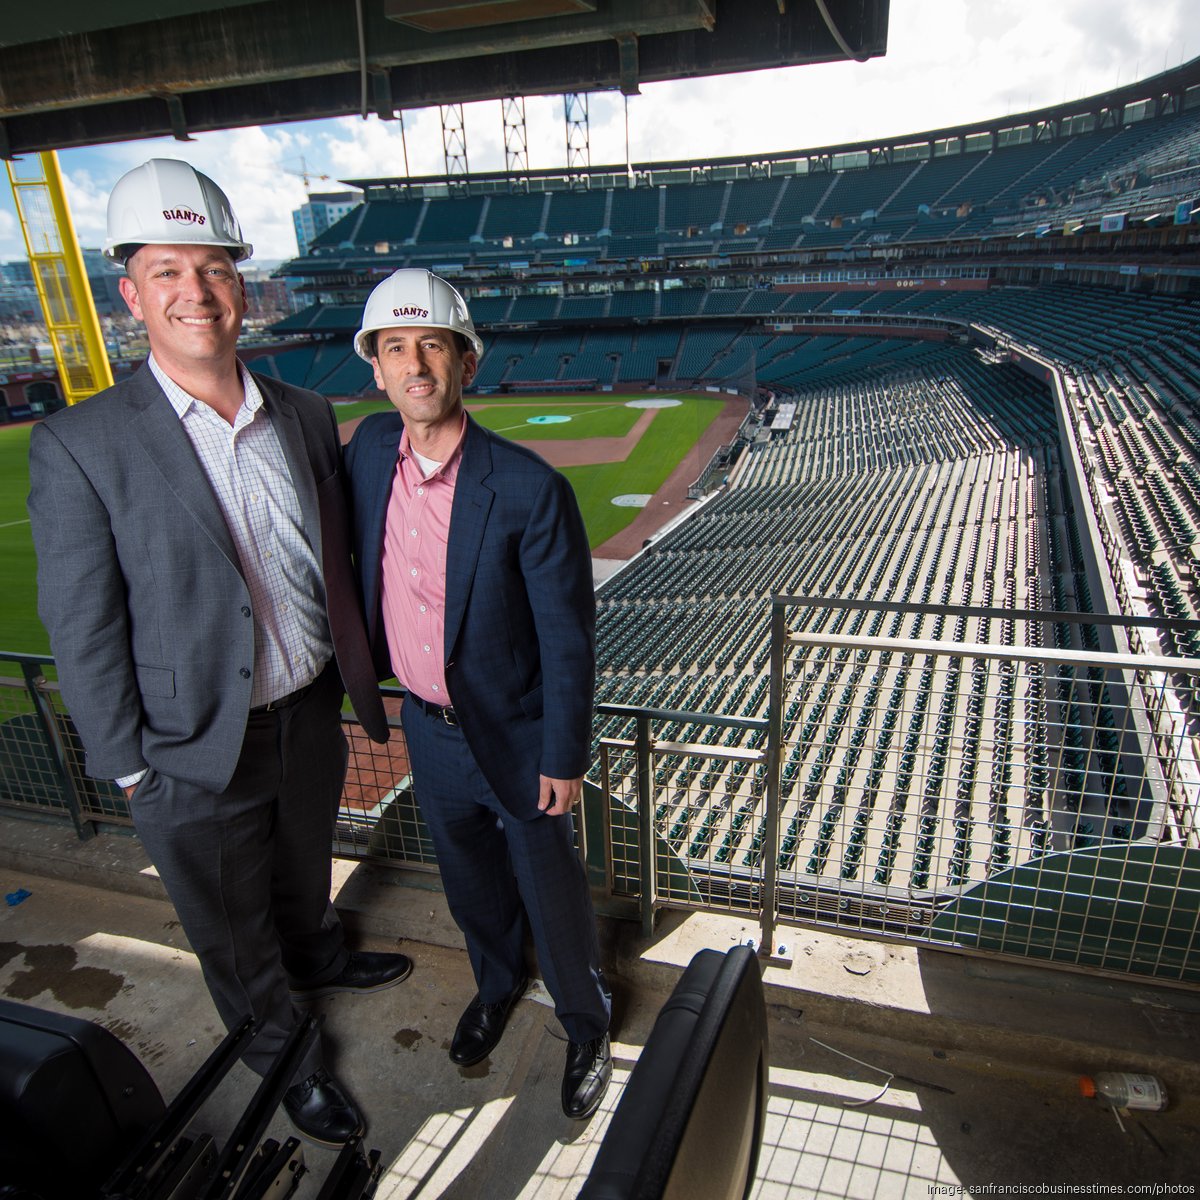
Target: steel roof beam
point(287, 60)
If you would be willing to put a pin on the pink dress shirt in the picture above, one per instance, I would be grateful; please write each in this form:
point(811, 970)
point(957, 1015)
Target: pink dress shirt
point(416, 534)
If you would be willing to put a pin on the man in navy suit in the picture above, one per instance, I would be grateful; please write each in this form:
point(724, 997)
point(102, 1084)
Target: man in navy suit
point(195, 580)
point(476, 575)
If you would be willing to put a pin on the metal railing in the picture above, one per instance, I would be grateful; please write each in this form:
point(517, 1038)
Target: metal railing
point(665, 800)
point(41, 757)
point(1024, 800)
point(978, 794)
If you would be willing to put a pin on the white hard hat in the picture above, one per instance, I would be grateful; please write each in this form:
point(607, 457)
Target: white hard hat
point(166, 202)
point(414, 296)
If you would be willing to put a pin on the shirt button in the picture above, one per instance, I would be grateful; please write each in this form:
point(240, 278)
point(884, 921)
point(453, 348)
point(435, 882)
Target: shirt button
point(244, 672)
point(245, 610)
point(422, 608)
point(436, 688)
point(420, 491)
point(426, 649)
point(413, 532)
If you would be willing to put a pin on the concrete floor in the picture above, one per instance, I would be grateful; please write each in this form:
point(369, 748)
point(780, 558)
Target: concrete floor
point(989, 1053)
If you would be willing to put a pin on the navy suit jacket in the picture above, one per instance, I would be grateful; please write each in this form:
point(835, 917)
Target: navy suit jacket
point(141, 589)
point(519, 650)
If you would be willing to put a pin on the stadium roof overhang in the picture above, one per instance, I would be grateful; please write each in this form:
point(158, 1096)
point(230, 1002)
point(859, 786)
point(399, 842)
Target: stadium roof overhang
point(78, 73)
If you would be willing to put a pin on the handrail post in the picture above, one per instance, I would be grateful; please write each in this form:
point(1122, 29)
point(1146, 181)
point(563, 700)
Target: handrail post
point(647, 872)
point(770, 884)
point(35, 681)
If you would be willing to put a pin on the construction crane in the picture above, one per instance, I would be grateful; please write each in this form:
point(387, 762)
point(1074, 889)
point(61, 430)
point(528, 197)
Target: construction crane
point(304, 173)
point(58, 274)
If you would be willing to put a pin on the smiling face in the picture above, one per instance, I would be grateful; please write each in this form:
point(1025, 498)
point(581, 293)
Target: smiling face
point(191, 300)
point(423, 371)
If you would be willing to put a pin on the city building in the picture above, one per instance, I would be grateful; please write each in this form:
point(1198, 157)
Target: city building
point(322, 210)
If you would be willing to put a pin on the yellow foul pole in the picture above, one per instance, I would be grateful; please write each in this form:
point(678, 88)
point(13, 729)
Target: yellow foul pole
point(57, 264)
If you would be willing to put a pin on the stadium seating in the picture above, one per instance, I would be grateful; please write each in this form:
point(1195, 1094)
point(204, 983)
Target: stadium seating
point(682, 302)
point(451, 221)
point(512, 216)
point(634, 211)
point(580, 213)
point(868, 188)
point(915, 468)
point(751, 202)
point(946, 196)
point(697, 207)
point(804, 516)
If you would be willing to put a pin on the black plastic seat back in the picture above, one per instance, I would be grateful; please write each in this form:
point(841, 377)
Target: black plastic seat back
point(690, 1121)
point(73, 1100)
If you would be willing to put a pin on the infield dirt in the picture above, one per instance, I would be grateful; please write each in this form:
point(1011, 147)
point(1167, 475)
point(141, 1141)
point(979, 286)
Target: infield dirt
point(666, 503)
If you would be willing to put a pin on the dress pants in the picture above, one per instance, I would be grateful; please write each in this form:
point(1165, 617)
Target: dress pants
point(496, 870)
point(248, 869)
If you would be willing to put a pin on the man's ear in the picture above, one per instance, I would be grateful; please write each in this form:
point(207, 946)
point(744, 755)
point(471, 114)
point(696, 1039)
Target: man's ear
point(470, 367)
point(129, 294)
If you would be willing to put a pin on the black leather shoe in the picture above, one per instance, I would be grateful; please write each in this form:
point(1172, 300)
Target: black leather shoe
point(321, 1111)
point(480, 1027)
point(589, 1068)
point(364, 972)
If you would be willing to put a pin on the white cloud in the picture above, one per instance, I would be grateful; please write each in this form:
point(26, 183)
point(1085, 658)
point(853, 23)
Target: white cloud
point(87, 198)
point(372, 149)
point(258, 168)
point(12, 245)
point(363, 149)
point(948, 62)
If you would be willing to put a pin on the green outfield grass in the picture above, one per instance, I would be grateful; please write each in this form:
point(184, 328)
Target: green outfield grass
point(604, 418)
point(360, 408)
point(20, 629)
point(589, 417)
point(671, 434)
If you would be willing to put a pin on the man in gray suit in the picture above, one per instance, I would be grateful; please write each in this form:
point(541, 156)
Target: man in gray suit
point(194, 576)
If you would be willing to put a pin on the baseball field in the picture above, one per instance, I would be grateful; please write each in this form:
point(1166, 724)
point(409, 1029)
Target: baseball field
point(612, 448)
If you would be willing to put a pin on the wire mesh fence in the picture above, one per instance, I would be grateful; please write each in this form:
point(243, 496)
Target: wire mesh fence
point(690, 786)
point(379, 817)
point(1038, 801)
point(29, 774)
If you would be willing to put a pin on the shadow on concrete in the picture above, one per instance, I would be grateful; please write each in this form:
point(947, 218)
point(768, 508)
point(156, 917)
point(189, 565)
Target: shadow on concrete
point(950, 1118)
point(1021, 1119)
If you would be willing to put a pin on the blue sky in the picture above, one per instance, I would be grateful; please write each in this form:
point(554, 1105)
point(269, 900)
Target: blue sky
point(948, 62)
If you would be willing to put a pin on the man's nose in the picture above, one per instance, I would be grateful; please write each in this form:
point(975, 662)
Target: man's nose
point(196, 284)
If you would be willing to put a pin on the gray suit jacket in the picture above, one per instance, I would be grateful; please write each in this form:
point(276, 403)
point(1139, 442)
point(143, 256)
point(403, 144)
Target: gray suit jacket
point(139, 585)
